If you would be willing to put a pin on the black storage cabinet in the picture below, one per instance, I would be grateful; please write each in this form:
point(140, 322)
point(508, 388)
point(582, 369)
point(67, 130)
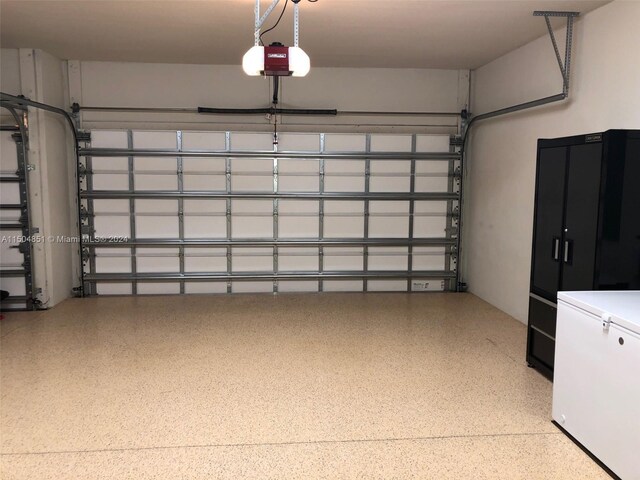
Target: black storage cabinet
point(586, 233)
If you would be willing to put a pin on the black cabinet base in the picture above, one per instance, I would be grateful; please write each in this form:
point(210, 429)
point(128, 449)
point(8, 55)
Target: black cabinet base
point(584, 449)
point(533, 362)
point(541, 330)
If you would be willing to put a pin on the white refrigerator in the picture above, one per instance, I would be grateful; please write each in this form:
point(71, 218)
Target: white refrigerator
point(596, 384)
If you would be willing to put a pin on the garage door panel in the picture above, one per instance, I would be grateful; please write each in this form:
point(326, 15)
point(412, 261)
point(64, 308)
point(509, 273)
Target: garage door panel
point(251, 227)
point(10, 256)
point(202, 182)
point(429, 258)
point(148, 288)
point(104, 288)
point(205, 287)
point(387, 286)
point(205, 219)
point(155, 140)
point(111, 182)
point(156, 226)
point(390, 143)
point(204, 174)
point(9, 193)
point(299, 142)
point(205, 227)
point(109, 139)
point(112, 226)
point(390, 176)
point(342, 286)
point(14, 285)
point(344, 219)
point(113, 260)
point(251, 141)
point(432, 176)
point(252, 287)
point(252, 259)
point(158, 260)
point(388, 219)
point(345, 142)
point(155, 182)
point(388, 258)
point(351, 233)
point(297, 286)
point(298, 219)
point(344, 176)
point(8, 154)
point(292, 259)
point(343, 258)
point(251, 175)
point(204, 141)
point(205, 260)
point(432, 143)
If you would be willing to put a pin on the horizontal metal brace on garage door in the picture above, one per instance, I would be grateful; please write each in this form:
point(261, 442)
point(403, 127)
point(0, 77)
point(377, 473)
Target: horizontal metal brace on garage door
point(14, 273)
point(256, 276)
point(293, 242)
point(115, 152)
point(262, 196)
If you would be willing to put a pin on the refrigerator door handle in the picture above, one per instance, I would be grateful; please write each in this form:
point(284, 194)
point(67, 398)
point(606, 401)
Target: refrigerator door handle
point(556, 248)
point(568, 252)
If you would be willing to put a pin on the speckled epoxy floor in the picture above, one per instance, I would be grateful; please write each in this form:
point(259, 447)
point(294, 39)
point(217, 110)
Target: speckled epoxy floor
point(289, 386)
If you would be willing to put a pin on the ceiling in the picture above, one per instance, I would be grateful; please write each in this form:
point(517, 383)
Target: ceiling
point(336, 33)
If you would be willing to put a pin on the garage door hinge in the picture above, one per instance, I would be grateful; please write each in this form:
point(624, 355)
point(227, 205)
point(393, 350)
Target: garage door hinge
point(84, 136)
point(455, 140)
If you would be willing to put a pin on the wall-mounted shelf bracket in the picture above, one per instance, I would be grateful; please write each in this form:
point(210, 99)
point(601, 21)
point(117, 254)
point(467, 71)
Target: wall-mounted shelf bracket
point(566, 65)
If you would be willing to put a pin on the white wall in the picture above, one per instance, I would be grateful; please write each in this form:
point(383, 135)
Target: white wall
point(502, 151)
point(175, 86)
point(9, 78)
point(10, 71)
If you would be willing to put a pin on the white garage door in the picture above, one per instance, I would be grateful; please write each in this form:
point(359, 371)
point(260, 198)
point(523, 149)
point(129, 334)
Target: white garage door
point(15, 244)
point(223, 212)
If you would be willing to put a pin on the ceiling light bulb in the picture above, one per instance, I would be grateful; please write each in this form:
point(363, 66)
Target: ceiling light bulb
point(299, 62)
point(253, 61)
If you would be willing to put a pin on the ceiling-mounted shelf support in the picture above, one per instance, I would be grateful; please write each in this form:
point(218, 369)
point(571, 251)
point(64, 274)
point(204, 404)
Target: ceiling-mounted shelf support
point(565, 67)
point(260, 20)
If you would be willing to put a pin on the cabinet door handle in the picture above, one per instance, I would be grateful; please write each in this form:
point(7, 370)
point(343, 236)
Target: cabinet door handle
point(556, 248)
point(568, 251)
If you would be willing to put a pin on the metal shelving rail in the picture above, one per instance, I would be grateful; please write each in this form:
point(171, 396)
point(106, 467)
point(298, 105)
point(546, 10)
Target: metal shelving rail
point(448, 241)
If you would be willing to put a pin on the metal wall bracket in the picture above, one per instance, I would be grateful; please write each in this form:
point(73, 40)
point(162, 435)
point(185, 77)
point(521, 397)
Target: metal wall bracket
point(564, 67)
